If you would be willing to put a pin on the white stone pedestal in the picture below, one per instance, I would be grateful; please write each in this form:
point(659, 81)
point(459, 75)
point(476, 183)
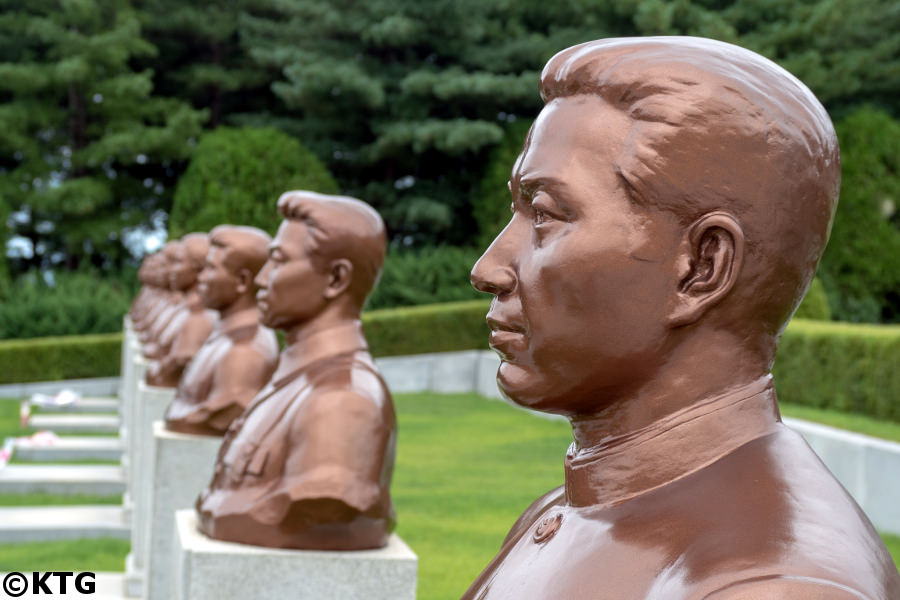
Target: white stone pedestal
point(151, 403)
point(206, 569)
point(182, 466)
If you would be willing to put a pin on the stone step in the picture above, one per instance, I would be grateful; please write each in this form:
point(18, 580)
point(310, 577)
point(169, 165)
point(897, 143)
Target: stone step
point(107, 586)
point(88, 404)
point(70, 448)
point(62, 480)
point(49, 523)
point(76, 423)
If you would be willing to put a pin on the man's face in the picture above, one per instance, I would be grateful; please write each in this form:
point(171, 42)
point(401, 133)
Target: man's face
point(581, 275)
point(181, 272)
point(290, 286)
point(217, 285)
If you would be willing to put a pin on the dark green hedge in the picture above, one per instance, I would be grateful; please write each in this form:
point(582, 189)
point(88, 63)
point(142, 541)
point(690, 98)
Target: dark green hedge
point(54, 358)
point(432, 328)
point(849, 367)
point(845, 366)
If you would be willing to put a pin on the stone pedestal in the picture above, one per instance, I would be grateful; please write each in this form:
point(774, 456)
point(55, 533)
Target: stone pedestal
point(206, 569)
point(182, 466)
point(151, 403)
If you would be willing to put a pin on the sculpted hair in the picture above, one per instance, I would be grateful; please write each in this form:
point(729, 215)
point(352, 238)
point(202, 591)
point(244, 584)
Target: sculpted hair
point(341, 227)
point(245, 247)
point(195, 246)
point(717, 127)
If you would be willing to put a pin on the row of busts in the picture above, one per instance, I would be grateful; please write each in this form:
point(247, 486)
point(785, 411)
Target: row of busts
point(309, 432)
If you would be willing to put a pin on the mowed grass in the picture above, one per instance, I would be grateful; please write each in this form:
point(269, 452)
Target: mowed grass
point(466, 468)
point(102, 554)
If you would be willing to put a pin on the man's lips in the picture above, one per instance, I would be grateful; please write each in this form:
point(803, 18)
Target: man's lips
point(507, 336)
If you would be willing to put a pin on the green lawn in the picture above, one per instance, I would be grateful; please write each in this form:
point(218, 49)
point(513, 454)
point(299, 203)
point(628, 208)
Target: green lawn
point(859, 423)
point(466, 468)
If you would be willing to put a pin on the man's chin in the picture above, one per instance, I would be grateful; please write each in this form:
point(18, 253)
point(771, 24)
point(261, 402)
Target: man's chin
point(520, 384)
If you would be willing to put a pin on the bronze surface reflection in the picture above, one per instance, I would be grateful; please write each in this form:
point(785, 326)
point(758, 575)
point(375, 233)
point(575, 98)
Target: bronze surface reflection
point(670, 206)
point(309, 463)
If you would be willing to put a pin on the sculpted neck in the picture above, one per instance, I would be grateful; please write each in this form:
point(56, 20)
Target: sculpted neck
point(706, 401)
point(698, 368)
point(243, 303)
point(335, 314)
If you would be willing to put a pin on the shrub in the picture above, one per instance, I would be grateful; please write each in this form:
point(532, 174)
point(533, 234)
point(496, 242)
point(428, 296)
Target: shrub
point(844, 366)
point(77, 303)
point(815, 304)
point(861, 266)
point(420, 329)
point(236, 176)
point(426, 276)
point(54, 358)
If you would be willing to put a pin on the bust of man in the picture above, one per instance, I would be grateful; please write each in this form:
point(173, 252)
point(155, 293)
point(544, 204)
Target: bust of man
point(239, 356)
point(164, 303)
point(670, 206)
point(309, 463)
point(191, 322)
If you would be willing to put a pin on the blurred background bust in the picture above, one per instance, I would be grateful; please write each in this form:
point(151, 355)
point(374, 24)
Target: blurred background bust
point(239, 356)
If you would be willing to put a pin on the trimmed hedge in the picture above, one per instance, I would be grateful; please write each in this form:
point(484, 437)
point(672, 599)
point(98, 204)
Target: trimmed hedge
point(55, 358)
point(843, 366)
point(431, 328)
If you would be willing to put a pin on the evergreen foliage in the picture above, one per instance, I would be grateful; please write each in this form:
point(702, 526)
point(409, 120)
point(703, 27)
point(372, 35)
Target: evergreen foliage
point(426, 276)
point(76, 303)
point(237, 175)
point(861, 266)
point(87, 150)
point(200, 58)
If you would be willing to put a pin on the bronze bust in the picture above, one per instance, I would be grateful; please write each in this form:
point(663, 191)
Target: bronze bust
point(164, 301)
point(239, 356)
point(309, 463)
point(670, 205)
point(190, 324)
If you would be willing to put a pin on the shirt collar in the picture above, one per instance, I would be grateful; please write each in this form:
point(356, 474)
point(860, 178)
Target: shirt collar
point(632, 464)
point(340, 339)
point(238, 320)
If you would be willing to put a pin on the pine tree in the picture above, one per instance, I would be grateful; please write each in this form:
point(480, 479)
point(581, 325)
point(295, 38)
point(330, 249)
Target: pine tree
point(201, 60)
point(87, 152)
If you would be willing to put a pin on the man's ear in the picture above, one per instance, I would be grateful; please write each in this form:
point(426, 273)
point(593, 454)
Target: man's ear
point(340, 274)
point(709, 266)
point(244, 281)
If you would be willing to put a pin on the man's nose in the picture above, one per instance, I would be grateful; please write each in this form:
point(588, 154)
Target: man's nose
point(262, 278)
point(493, 273)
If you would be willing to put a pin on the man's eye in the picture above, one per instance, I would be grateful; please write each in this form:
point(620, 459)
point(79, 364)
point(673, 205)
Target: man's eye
point(539, 217)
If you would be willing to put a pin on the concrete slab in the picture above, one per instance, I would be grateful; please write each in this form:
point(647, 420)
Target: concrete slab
point(454, 371)
point(76, 423)
point(62, 480)
point(106, 586)
point(182, 466)
point(150, 407)
point(87, 404)
point(98, 386)
point(206, 569)
point(70, 448)
point(50, 523)
point(133, 584)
